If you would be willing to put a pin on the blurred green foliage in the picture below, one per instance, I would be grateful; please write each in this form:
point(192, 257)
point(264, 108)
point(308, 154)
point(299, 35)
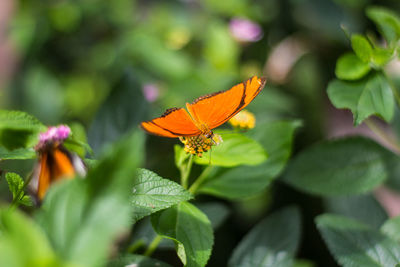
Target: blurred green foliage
point(86, 63)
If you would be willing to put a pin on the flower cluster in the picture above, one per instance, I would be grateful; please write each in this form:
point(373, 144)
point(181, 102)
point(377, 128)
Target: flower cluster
point(245, 30)
point(53, 135)
point(197, 145)
point(243, 120)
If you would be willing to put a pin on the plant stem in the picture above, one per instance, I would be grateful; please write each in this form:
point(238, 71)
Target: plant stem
point(186, 172)
point(383, 135)
point(153, 246)
point(195, 186)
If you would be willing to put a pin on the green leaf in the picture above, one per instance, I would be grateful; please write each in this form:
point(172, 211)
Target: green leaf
point(22, 242)
point(272, 242)
point(26, 201)
point(15, 183)
point(190, 229)
point(355, 244)
point(350, 67)
point(364, 208)
point(371, 96)
point(387, 21)
point(393, 167)
point(220, 50)
point(244, 181)
point(83, 216)
point(339, 167)
point(152, 193)
point(19, 121)
point(216, 212)
point(236, 149)
point(123, 110)
point(361, 47)
point(136, 261)
point(18, 129)
point(77, 141)
point(381, 56)
point(392, 228)
point(19, 153)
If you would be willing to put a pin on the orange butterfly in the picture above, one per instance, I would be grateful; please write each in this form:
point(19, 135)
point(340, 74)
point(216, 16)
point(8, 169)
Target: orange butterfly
point(206, 112)
point(55, 161)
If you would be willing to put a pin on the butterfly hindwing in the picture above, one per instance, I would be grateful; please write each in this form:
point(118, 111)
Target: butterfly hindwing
point(174, 122)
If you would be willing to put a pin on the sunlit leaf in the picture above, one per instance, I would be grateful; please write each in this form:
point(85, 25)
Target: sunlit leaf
point(361, 47)
point(18, 129)
point(350, 67)
point(236, 149)
point(15, 183)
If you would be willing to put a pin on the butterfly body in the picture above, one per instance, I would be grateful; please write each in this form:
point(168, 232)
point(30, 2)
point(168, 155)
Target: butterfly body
point(206, 112)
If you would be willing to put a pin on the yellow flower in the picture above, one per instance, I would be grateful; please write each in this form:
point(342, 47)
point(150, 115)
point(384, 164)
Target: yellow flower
point(197, 145)
point(243, 120)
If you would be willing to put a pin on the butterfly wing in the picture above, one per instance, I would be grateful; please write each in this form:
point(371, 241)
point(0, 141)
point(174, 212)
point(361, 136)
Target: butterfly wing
point(62, 165)
point(216, 109)
point(54, 165)
point(44, 176)
point(174, 122)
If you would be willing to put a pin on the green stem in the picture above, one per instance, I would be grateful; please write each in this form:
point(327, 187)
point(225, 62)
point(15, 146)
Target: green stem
point(383, 135)
point(153, 246)
point(186, 172)
point(203, 176)
point(135, 246)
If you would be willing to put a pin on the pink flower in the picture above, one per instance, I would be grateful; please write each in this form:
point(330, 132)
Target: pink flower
point(245, 30)
point(151, 92)
point(53, 134)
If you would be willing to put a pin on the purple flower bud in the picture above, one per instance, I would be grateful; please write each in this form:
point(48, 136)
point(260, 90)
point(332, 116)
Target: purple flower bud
point(245, 30)
point(151, 92)
point(53, 134)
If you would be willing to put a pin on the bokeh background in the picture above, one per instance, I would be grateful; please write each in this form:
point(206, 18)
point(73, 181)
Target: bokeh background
point(104, 66)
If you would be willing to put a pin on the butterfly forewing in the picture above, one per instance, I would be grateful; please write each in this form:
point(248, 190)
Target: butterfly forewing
point(216, 109)
point(173, 123)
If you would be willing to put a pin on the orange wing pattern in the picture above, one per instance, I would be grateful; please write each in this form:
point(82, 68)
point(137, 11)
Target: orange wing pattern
point(206, 112)
point(54, 165)
point(174, 122)
point(216, 109)
point(44, 176)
